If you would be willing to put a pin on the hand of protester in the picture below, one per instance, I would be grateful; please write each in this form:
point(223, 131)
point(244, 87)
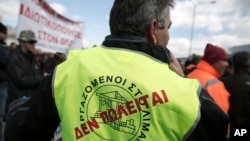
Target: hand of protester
point(35, 51)
point(45, 74)
point(175, 65)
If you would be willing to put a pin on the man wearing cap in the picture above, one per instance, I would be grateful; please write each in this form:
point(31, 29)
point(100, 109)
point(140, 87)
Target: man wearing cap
point(209, 70)
point(23, 70)
point(4, 57)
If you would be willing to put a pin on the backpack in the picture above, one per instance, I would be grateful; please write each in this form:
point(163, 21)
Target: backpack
point(16, 106)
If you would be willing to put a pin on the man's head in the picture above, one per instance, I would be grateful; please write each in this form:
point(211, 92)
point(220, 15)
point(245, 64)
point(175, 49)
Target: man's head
point(145, 18)
point(3, 32)
point(217, 57)
point(27, 40)
point(241, 60)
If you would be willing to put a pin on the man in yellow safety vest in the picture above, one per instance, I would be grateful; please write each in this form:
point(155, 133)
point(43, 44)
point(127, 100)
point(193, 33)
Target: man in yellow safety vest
point(129, 88)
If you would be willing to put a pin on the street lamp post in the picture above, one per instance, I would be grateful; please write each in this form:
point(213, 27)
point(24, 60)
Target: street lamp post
point(193, 23)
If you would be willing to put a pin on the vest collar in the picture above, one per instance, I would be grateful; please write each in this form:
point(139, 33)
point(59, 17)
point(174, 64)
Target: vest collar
point(137, 44)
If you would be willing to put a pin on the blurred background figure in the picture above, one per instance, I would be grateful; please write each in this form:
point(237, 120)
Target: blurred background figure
point(23, 69)
point(238, 85)
point(208, 71)
point(12, 47)
point(50, 61)
point(230, 69)
point(4, 57)
point(191, 63)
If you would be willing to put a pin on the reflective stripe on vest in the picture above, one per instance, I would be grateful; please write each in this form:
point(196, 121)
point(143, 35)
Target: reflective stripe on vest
point(210, 83)
point(115, 94)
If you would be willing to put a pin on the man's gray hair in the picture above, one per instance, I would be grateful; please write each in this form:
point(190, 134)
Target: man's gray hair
point(132, 17)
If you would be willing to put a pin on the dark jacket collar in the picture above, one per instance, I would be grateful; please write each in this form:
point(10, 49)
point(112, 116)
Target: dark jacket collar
point(137, 44)
point(2, 42)
point(27, 55)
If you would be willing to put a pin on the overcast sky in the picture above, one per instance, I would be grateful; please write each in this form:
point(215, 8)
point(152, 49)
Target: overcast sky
point(225, 23)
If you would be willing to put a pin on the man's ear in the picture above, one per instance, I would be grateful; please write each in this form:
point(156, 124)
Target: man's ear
point(151, 32)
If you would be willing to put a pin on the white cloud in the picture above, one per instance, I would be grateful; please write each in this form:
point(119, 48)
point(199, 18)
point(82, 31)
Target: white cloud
point(240, 27)
point(9, 9)
point(179, 46)
point(226, 22)
point(77, 17)
point(85, 44)
point(242, 5)
point(215, 28)
point(58, 8)
point(181, 15)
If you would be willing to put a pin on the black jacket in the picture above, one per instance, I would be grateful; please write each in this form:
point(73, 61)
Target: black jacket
point(41, 117)
point(238, 85)
point(4, 58)
point(24, 75)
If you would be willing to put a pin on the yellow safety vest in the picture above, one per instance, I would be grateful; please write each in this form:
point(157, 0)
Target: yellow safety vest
point(120, 95)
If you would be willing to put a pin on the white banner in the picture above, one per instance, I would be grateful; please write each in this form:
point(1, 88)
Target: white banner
point(54, 32)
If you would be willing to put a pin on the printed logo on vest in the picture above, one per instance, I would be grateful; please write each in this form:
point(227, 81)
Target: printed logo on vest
point(113, 107)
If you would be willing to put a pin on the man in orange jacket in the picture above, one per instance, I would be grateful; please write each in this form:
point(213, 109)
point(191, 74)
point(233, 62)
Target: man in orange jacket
point(209, 70)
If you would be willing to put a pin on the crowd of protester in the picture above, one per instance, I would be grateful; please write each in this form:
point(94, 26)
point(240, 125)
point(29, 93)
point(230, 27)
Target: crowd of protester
point(226, 77)
point(22, 69)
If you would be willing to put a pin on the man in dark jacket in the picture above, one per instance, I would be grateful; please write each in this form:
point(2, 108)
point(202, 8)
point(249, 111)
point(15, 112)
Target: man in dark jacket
point(238, 85)
point(4, 57)
point(24, 73)
point(139, 35)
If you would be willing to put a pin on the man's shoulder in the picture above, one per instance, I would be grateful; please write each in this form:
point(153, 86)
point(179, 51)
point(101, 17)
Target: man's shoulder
point(17, 57)
point(201, 75)
point(236, 76)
